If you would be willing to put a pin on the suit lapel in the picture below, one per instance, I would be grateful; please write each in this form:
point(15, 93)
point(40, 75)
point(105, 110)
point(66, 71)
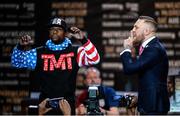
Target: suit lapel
point(155, 40)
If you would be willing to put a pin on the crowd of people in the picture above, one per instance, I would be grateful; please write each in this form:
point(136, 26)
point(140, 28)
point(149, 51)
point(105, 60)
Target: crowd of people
point(57, 63)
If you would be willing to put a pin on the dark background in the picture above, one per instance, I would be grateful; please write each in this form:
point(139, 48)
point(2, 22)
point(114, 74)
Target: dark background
point(107, 23)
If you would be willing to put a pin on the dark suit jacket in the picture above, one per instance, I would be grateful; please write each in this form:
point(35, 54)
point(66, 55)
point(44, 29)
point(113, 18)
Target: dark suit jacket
point(152, 67)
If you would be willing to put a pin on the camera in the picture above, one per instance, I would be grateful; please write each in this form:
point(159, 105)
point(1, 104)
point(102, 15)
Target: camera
point(53, 103)
point(92, 103)
point(124, 101)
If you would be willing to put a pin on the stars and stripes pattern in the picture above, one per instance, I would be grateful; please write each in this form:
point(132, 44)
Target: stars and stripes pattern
point(87, 55)
point(24, 59)
point(61, 46)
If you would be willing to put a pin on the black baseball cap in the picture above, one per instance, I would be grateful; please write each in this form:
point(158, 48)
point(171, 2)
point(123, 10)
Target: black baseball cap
point(58, 22)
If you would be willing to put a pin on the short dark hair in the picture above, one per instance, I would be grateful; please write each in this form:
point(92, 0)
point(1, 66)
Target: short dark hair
point(150, 20)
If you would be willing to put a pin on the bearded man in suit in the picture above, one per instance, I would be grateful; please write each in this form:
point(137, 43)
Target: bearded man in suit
point(151, 65)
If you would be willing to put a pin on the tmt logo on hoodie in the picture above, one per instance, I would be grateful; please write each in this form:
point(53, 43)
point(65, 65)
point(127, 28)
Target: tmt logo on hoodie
point(64, 62)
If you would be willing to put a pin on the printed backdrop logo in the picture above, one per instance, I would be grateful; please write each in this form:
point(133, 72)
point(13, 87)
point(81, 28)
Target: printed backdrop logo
point(64, 62)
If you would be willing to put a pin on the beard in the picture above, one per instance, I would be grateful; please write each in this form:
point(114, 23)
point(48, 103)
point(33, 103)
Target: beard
point(57, 39)
point(138, 39)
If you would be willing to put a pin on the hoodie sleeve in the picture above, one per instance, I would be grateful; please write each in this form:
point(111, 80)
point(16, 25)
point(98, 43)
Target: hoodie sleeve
point(24, 59)
point(87, 54)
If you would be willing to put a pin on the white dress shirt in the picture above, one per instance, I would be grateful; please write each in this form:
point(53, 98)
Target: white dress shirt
point(144, 44)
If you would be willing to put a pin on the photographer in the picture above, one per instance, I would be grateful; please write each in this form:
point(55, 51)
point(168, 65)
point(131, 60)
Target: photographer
point(107, 105)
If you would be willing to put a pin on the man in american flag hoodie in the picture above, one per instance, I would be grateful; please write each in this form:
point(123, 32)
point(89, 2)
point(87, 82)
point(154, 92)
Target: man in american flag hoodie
point(57, 62)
